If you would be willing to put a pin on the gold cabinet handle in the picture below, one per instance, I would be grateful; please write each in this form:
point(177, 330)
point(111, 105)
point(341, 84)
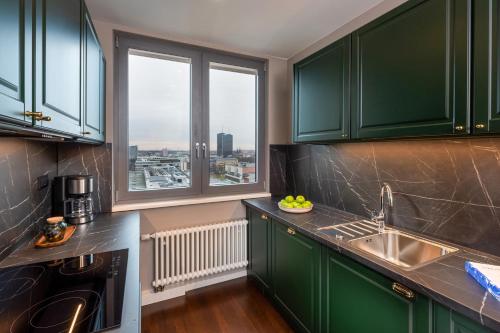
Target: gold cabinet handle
point(264, 217)
point(37, 115)
point(33, 114)
point(291, 231)
point(86, 133)
point(480, 126)
point(459, 128)
point(43, 118)
point(403, 291)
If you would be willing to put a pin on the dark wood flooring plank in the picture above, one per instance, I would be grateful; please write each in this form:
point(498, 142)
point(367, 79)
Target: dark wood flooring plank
point(235, 306)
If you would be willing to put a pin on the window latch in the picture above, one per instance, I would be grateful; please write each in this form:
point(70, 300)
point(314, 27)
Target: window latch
point(197, 150)
point(204, 148)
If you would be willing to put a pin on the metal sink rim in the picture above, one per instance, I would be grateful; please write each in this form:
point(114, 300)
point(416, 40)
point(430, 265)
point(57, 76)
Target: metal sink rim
point(450, 249)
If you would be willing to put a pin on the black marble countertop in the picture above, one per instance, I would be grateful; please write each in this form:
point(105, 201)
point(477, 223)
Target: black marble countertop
point(108, 232)
point(444, 280)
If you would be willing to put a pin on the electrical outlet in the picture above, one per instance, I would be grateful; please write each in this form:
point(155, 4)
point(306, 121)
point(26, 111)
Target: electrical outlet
point(43, 182)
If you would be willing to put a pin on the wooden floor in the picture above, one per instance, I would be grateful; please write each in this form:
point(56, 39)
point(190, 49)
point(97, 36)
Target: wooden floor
point(234, 306)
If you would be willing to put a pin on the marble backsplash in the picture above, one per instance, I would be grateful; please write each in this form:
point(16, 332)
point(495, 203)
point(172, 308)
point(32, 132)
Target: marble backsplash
point(23, 207)
point(446, 188)
point(81, 159)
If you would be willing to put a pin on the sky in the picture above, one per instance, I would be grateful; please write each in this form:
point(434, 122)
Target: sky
point(159, 105)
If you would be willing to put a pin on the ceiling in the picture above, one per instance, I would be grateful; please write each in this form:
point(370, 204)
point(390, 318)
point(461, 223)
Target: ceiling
point(279, 28)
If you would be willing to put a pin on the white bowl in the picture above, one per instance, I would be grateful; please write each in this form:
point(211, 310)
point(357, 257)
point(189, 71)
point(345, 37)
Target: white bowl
point(295, 210)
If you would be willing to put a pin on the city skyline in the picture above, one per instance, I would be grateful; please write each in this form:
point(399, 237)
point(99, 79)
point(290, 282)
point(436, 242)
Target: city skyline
point(224, 147)
point(171, 169)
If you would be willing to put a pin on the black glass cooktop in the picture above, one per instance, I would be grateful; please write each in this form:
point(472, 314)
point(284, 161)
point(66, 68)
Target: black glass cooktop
point(72, 295)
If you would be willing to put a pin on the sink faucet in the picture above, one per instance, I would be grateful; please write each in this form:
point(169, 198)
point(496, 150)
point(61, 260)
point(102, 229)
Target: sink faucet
point(380, 216)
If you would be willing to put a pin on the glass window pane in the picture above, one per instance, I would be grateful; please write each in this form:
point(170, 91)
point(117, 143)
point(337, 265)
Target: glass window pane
point(233, 105)
point(159, 122)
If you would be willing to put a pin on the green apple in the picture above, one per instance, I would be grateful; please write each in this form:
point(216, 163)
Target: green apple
point(288, 205)
point(307, 204)
point(283, 202)
point(289, 198)
point(300, 199)
point(296, 205)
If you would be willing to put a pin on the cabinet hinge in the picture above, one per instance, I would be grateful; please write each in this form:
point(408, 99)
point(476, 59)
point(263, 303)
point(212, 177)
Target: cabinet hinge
point(116, 41)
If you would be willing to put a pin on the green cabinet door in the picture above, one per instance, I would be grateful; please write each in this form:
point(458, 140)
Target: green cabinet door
point(410, 71)
point(94, 90)
point(58, 71)
point(321, 94)
point(486, 67)
point(357, 299)
point(295, 272)
point(15, 60)
point(259, 250)
point(448, 321)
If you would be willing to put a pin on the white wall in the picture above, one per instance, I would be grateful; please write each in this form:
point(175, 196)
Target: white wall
point(278, 124)
point(276, 86)
point(278, 115)
point(278, 131)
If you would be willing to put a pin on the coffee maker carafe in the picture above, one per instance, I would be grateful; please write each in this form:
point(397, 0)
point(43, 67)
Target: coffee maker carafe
point(73, 198)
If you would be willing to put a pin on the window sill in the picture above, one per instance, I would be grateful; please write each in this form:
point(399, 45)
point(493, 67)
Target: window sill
point(185, 202)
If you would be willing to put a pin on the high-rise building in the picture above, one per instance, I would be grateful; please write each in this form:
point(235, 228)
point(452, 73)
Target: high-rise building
point(224, 144)
point(132, 152)
point(132, 156)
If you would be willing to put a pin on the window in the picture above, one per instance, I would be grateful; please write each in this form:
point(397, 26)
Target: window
point(159, 117)
point(189, 121)
point(233, 134)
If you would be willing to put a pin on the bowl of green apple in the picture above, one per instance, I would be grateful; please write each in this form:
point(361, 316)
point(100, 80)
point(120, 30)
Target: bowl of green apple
point(295, 205)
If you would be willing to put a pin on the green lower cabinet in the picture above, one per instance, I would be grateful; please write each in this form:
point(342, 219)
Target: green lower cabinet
point(356, 299)
point(296, 271)
point(448, 321)
point(320, 290)
point(259, 250)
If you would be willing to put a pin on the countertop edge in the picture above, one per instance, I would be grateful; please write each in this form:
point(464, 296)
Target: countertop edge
point(460, 308)
point(108, 232)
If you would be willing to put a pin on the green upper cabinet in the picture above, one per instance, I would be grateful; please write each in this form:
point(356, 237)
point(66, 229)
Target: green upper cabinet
point(356, 299)
point(486, 44)
point(295, 271)
point(52, 69)
point(410, 71)
point(94, 84)
point(259, 249)
point(15, 60)
point(58, 60)
point(448, 321)
point(321, 94)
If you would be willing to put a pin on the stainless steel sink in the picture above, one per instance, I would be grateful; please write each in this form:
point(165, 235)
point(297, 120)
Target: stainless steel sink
point(402, 249)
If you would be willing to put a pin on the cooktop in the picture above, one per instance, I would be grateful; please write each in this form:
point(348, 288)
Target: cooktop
point(71, 295)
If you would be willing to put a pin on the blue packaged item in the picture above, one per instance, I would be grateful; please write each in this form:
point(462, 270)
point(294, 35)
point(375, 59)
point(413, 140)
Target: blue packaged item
point(487, 276)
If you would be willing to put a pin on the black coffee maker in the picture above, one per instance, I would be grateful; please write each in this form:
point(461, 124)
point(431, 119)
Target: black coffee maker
point(72, 198)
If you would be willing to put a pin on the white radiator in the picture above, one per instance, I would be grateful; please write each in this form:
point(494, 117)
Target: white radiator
point(189, 253)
